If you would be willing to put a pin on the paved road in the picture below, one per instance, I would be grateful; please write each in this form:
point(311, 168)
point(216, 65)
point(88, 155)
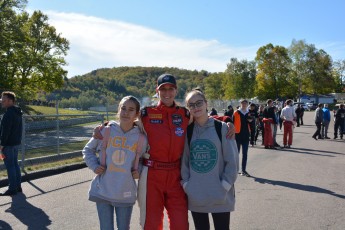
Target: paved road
point(299, 188)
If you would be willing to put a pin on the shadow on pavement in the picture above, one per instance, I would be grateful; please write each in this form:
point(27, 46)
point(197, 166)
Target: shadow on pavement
point(32, 217)
point(298, 150)
point(5, 226)
point(322, 151)
point(307, 188)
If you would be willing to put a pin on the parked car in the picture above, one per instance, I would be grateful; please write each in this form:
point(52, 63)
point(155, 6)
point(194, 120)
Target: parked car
point(302, 104)
point(311, 106)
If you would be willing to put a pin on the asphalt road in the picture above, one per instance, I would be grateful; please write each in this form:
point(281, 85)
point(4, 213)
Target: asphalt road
point(298, 188)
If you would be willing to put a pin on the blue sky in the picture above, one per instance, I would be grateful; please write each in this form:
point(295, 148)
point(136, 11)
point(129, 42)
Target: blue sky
point(189, 34)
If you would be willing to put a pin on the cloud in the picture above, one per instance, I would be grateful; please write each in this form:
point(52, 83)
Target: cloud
point(98, 43)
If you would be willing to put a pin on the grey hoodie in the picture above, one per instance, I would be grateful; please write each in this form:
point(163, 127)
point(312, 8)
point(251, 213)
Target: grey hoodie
point(209, 170)
point(116, 185)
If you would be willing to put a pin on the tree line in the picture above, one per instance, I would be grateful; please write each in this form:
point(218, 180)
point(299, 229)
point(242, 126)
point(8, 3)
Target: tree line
point(32, 61)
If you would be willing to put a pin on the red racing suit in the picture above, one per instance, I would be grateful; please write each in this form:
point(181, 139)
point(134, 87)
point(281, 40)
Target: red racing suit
point(159, 184)
point(268, 132)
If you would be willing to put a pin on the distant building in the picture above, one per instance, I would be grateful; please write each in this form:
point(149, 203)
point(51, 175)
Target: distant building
point(324, 99)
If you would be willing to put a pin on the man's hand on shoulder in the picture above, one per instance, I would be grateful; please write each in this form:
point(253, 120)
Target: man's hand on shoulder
point(97, 132)
point(231, 131)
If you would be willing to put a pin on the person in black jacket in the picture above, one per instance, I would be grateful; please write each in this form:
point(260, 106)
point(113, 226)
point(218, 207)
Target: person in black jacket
point(339, 120)
point(229, 112)
point(10, 140)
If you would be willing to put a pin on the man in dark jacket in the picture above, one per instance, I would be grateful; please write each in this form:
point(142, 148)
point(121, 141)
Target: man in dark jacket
point(339, 120)
point(10, 139)
point(318, 122)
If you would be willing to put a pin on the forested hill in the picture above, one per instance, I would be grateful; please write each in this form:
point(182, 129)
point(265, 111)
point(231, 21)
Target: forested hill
point(120, 81)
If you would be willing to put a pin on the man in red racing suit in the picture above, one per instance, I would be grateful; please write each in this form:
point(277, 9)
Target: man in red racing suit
point(159, 184)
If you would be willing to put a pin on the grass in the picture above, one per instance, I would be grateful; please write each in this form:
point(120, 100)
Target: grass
point(44, 110)
point(51, 150)
point(37, 167)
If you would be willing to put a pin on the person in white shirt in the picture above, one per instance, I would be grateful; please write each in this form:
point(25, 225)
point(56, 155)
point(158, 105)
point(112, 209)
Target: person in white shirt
point(289, 117)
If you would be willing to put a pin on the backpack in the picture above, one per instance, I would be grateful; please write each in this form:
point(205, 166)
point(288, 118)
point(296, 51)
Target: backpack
point(105, 143)
point(217, 125)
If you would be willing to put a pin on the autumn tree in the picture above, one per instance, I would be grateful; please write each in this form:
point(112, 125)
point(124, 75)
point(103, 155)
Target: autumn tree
point(273, 79)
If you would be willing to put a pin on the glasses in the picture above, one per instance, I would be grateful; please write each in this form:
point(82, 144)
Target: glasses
point(197, 104)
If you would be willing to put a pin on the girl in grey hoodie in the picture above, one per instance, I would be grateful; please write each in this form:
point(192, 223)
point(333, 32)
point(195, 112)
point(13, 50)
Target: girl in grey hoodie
point(114, 186)
point(209, 168)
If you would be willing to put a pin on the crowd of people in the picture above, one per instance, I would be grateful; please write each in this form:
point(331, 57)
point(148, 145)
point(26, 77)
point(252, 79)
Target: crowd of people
point(183, 157)
point(322, 119)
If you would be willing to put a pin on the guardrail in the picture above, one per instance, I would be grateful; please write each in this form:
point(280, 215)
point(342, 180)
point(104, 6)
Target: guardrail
point(48, 138)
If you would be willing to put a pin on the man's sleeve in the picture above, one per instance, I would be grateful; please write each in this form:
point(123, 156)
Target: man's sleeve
point(6, 124)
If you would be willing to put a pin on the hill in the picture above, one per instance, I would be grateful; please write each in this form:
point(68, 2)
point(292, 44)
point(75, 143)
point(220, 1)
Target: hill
point(120, 81)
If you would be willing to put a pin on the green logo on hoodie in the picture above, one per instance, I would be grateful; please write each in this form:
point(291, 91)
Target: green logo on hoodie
point(203, 155)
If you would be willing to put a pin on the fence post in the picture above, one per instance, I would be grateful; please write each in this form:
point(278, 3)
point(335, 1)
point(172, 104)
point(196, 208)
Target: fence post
point(58, 127)
point(22, 164)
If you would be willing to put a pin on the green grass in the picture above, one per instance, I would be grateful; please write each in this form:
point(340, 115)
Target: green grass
point(52, 150)
point(44, 110)
point(37, 167)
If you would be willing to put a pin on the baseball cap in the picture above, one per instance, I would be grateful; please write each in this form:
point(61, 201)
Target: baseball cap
point(166, 79)
point(243, 100)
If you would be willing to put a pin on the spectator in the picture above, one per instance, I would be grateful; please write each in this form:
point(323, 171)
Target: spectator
point(260, 126)
point(208, 183)
point(275, 126)
point(299, 113)
point(325, 122)
point(318, 118)
point(10, 140)
point(242, 120)
point(339, 122)
point(288, 116)
point(229, 112)
point(114, 186)
point(213, 112)
point(253, 114)
point(269, 121)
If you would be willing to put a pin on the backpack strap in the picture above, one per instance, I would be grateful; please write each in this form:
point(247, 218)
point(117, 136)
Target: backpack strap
point(190, 129)
point(138, 150)
point(105, 144)
point(218, 126)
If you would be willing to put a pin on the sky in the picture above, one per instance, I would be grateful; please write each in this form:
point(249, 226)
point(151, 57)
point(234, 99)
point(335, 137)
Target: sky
point(188, 34)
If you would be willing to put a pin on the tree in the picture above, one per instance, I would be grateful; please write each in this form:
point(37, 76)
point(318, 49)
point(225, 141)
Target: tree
point(32, 54)
point(319, 78)
point(273, 78)
point(339, 69)
point(214, 89)
point(298, 54)
point(240, 79)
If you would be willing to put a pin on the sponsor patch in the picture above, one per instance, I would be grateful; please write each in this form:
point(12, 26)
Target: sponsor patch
point(179, 131)
point(156, 116)
point(177, 119)
point(156, 121)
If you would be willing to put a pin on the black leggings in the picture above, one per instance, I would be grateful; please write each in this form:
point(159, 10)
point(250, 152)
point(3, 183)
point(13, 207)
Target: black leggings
point(221, 221)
